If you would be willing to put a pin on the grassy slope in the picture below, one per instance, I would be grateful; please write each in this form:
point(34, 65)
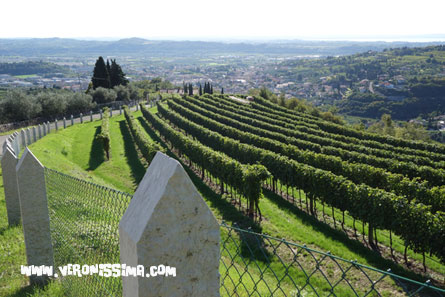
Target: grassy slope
point(74, 151)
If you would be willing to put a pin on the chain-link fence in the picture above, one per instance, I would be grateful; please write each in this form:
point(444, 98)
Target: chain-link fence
point(84, 220)
point(255, 264)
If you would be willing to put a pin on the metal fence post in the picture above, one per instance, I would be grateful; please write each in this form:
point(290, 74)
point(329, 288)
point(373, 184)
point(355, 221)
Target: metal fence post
point(72, 120)
point(81, 118)
point(64, 123)
point(9, 163)
point(120, 109)
point(150, 234)
point(34, 211)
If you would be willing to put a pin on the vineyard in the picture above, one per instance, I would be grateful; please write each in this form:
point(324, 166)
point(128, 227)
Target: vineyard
point(332, 204)
point(379, 183)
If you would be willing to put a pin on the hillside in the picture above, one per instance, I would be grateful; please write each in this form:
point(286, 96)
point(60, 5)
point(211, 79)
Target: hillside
point(329, 187)
point(404, 82)
point(144, 47)
point(30, 67)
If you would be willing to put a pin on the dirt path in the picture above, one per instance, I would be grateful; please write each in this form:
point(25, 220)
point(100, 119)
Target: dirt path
point(239, 99)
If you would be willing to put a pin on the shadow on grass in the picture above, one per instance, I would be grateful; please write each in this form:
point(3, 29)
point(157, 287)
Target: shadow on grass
point(97, 151)
point(136, 166)
point(372, 257)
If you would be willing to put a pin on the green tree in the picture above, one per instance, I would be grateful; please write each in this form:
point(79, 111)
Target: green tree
point(103, 95)
point(117, 76)
point(101, 77)
point(17, 106)
point(122, 93)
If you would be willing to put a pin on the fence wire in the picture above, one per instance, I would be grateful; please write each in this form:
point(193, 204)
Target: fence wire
point(84, 220)
point(255, 264)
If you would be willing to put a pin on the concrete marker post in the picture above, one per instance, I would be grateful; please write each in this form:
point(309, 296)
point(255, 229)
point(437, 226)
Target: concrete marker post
point(35, 214)
point(168, 223)
point(9, 162)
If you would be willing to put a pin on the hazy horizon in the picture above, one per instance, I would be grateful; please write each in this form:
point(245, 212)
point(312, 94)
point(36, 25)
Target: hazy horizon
point(373, 38)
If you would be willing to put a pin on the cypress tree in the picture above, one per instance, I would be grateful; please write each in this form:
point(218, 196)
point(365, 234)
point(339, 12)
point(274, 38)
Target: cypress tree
point(185, 89)
point(211, 89)
point(101, 77)
point(109, 68)
point(190, 89)
point(117, 76)
point(222, 90)
point(200, 90)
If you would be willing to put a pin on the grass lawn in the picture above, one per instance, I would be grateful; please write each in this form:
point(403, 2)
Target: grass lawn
point(75, 151)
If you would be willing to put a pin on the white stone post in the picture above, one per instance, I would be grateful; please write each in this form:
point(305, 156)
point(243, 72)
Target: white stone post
point(120, 109)
point(44, 129)
point(64, 123)
point(9, 163)
point(81, 118)
point(16, 144)
point(91, 115)
point(28, 136)
point(72, 120)
point(23, 138)
point(111, 111)
point(34, 212)
point(48, 125)
point(56, 124)
point(168, 223)
point(101, 114)
point(34, 133)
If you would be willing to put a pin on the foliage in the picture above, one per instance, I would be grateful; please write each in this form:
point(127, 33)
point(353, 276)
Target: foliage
point(103, 95)
point(154, 85)
point(46, 103)
point(358, 173)
point(147, 147)
point(101, 77)
point(17, 106)
point(410, 131)
point(247, 179)
point(415, 223)
point(117, 76)
point(106, 75)
point(31, 67)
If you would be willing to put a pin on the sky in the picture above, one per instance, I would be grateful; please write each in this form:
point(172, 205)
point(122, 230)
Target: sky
point(228, 19)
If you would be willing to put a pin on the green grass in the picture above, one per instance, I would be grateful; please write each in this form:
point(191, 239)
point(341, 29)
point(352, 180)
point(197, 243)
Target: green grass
point(12, 255)
point(25, 76)
point(75, 151)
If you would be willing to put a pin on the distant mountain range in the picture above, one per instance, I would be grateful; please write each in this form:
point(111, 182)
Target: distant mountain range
point(143, 47)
